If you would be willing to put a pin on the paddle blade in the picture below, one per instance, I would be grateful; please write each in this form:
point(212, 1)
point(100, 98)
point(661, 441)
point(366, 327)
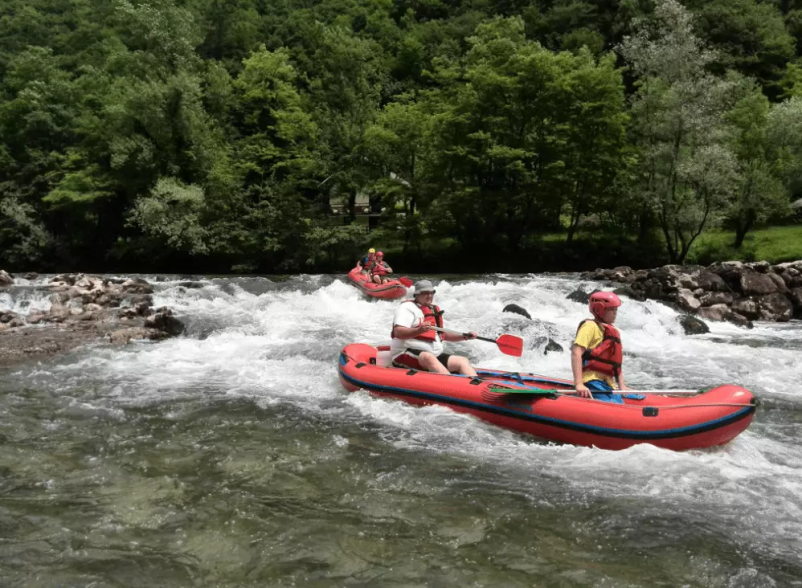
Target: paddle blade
point(511, 345)
point(406, 282)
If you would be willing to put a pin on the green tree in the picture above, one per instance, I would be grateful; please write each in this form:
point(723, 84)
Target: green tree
point(399, 146)
point(345, 94)
point(750, 37)
point(595, 135)
point(685, 171)
point(759, 192)
point(522, 132)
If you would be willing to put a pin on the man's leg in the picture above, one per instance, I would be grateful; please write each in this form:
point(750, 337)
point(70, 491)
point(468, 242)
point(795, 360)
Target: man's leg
point(460, 365)
point(430, 363)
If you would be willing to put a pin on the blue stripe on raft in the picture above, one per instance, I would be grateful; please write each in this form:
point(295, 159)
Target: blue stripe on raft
point(607, 432)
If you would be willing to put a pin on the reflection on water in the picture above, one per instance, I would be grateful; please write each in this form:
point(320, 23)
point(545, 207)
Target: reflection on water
point(232, 457)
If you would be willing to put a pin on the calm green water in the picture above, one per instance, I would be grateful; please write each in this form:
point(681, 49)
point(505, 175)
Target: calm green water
point(232, 457)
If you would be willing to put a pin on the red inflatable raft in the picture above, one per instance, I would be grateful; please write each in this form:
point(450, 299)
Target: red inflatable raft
point(391, 290)
point(711, 418)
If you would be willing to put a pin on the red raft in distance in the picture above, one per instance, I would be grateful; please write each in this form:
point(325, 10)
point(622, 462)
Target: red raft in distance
point(391, 290)
point(711, 418)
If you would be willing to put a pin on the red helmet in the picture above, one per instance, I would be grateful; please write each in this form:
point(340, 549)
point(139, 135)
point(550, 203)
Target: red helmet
point(379, 254)
point(601, 301)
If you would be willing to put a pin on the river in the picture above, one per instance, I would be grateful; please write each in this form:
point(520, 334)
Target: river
point(232, 456)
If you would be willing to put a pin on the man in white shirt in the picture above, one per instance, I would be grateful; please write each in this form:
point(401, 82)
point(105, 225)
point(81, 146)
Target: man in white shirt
point(417, 345)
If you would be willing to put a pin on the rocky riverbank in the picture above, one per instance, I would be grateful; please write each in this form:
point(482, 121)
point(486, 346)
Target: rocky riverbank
point(82, 309)
point(728, 291)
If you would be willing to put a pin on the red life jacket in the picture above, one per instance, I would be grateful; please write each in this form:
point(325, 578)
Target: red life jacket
point(378, 269)
point(368, 265)
point(432, 315)
point(607, 357)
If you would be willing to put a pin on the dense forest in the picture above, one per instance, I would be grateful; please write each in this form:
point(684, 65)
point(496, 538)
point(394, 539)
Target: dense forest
point(214, 135)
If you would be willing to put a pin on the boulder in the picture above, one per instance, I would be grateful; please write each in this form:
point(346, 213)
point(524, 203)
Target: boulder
point(552, 345)
point(36, 316)
point(136, 286)
point(124, 336)
point(746, 307)
point(136, 299)
point(192, 285)
point(754, 283)
point(711, 282)
point(667, 276)
point(729, 271)
point(621, 274)
point(11, 319)
point(109, 300)
point(712, 298)
point(687, 281)
point(5, 279)
point(57, 314)
point(717, 312)
point(693, 326)
point(775, 307)
point(796, 297)
point(740, 320)
point(760, 266)
point(687, 301)
point(654, 290)
point(6, 316)
point(787, 279)
point(30, 276)
point(579, 296)
point(514, 308)
point(164, 321)
point(68, 279)
point(779, 282)
point(630, 292)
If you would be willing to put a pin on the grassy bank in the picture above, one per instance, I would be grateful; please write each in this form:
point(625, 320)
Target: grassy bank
point(548, 252)
point(773, 244)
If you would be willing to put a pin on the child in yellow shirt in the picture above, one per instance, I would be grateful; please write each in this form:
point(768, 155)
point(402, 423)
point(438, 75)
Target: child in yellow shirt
point(597, 354)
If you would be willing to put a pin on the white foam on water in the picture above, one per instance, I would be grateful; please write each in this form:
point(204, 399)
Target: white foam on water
point(279, 344)
point(21, 300)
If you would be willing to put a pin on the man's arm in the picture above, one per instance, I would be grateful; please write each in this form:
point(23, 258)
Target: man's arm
point(457, 336)
point(404, 333)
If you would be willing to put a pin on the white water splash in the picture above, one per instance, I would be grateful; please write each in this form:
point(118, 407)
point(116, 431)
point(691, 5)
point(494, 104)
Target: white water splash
point(278, 343)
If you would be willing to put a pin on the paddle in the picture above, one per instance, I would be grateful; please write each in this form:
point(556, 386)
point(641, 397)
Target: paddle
point(570, 392)
point(507, 344)
point(406, 282)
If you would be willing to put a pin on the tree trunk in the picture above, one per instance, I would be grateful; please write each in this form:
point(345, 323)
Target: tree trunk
point(741, 231)
point(740, 234)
